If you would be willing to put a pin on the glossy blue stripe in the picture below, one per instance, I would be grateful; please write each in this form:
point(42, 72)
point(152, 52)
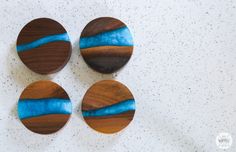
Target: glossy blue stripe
point(117, 37)
point(28, 108)
point(114, 109)
point(42, 41)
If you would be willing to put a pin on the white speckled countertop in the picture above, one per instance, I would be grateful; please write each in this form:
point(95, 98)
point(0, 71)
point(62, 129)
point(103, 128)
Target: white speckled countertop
point(182, 74)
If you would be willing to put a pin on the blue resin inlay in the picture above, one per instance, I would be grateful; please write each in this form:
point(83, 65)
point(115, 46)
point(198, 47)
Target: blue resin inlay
point(28, 108)
point(117, 37)
point(121, 107)
point(42, 41)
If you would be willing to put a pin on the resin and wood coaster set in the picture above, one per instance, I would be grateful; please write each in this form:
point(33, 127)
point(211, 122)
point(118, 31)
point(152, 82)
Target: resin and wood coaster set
point(44, 46)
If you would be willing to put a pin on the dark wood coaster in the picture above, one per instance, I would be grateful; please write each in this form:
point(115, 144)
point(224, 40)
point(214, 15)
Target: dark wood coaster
point(108, 106)
point(44, 46)
point(44, 107)
point(106, 44)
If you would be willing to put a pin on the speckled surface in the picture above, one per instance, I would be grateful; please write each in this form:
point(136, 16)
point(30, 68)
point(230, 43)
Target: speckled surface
point(182, 75)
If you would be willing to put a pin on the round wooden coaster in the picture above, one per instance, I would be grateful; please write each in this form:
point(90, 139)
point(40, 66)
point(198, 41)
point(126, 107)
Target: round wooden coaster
point(44, 46)
point(108, 106)
point(106, 44)
point(44, 107)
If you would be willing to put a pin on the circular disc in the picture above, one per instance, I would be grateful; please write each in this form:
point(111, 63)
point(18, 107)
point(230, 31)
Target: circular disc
point(44, 107)
point(44, 46)
point(108, 106)
point(106, 44)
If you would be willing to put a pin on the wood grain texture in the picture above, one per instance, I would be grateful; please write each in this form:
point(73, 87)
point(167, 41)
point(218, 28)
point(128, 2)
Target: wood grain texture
point(110, 124)
point(102, 94)
point(48, 123)
point(101, 25)
point(39, 28)
point(47, 58)
point(108, 51)
point(43, 89)
point(105, 58)
point(105, 93)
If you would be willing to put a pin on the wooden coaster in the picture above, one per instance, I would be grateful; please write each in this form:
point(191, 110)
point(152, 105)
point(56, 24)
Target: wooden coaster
point(106, 44)
point(44, 46)
point(108, 106)
point(44, 107)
